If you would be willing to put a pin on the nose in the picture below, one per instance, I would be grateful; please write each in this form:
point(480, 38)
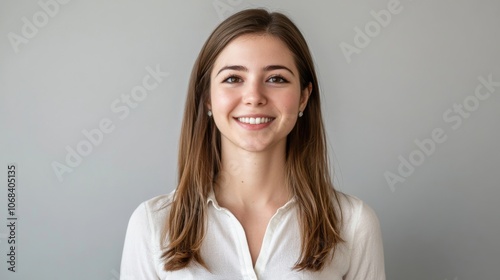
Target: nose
point(253, 94)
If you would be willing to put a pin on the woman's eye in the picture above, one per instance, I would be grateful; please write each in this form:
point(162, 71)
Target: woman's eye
point(277, 79)
point(232, 80)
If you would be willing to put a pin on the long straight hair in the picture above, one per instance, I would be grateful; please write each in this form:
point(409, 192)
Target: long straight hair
point(199, 162)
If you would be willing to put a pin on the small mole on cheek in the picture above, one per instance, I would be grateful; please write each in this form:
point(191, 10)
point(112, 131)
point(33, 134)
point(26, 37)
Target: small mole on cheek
point(242, 182)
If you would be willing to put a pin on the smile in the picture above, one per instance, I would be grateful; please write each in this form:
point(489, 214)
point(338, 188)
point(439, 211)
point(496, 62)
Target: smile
point(255, 120)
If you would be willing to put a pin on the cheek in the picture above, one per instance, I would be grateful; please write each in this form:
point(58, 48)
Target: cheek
point(289, 110)
point(289, 105)
point(222, 101)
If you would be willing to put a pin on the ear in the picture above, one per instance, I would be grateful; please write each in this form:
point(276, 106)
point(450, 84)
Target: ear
point(208, 103)
point(306, 92)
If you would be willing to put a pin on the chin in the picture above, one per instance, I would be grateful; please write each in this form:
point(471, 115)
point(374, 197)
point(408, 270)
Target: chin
point(258, 147)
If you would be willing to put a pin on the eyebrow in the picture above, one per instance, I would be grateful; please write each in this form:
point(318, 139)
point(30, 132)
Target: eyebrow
point(244, 69)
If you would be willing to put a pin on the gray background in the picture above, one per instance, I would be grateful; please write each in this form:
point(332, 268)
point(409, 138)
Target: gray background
point(441, 222)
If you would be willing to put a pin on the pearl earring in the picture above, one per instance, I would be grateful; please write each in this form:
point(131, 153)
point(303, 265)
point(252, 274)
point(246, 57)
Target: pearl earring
point(300, 114)
point(209, 113)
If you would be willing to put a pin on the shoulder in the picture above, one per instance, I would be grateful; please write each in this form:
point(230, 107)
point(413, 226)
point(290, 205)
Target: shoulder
point(361, 231)
point(158, 206)
point(142, 249)
point(150, 217)
point(357, 216)
point(154, 208)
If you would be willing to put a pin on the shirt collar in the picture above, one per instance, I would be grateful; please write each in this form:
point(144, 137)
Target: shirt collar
point(211, 198)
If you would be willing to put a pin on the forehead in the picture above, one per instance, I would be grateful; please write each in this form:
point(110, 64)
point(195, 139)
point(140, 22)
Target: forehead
point(256, 50)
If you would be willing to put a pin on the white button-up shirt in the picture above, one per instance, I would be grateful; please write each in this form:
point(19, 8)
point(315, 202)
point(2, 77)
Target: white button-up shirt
point(226, 253)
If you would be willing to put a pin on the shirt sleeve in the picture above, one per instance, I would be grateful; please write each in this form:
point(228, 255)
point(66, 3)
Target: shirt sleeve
point(367, 254)
point(137, 257)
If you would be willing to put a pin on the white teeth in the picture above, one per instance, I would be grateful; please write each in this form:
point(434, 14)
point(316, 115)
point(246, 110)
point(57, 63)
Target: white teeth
point(254, 120)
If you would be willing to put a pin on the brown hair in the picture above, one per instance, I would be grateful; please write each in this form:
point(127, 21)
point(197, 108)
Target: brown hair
point(307, 168)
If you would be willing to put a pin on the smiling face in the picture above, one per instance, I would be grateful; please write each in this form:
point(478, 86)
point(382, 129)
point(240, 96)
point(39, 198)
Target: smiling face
point(255, 93)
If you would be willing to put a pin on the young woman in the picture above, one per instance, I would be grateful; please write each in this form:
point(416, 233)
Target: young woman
point(254, 198)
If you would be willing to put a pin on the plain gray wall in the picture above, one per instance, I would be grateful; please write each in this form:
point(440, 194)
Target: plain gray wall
point(383, 92)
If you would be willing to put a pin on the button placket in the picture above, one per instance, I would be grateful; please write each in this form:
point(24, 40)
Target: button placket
point(243, 250)
point(265, 250)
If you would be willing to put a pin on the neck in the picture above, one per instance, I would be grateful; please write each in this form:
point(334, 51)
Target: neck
point(252, 179)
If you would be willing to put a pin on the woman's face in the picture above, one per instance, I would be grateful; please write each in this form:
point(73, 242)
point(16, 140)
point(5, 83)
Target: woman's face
point(255, 93)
